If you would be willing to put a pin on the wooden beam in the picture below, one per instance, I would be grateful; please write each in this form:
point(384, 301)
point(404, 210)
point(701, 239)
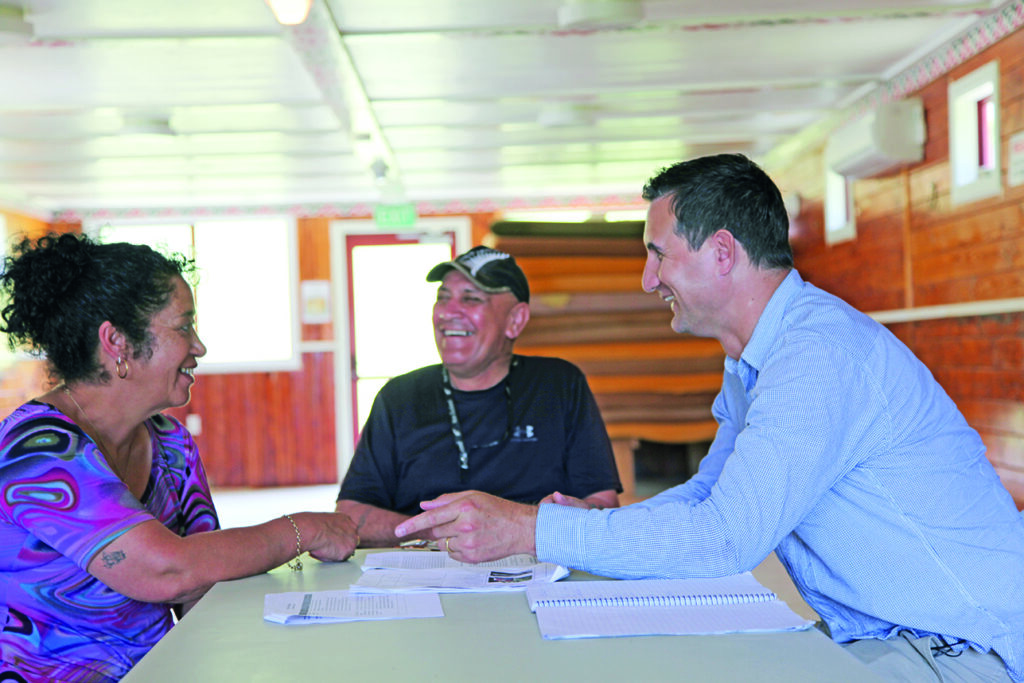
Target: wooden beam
point(567, 303)
point(665, 433)
point(678, 346)
point(668, 384)
point(523, 247)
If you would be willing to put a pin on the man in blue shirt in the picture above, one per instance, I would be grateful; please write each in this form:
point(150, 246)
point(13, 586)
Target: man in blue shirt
point(836, 448)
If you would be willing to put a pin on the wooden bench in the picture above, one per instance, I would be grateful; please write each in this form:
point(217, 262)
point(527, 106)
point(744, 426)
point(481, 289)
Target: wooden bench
point(645, 395)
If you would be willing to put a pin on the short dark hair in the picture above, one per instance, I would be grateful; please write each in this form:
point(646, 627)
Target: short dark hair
point(727, 192)
point(61, 288)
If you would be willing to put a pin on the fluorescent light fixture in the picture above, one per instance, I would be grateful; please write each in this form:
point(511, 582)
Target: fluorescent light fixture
point(290, 12)
point(548, 216)
point(618, 215)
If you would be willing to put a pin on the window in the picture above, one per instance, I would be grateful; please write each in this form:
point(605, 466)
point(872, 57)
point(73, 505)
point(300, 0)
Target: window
point(974, 135)
point(247, 286)
point(986, 137)
point(840, 222)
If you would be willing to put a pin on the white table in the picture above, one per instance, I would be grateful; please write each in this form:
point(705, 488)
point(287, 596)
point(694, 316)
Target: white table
point(482, 637)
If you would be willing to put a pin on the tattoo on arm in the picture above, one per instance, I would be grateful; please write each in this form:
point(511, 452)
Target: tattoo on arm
point(362, 521)
point(112, 558)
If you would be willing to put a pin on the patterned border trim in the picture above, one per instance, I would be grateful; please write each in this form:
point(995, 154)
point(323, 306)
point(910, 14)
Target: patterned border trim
point(360, 210)
point(972, 42)
point(976, 39)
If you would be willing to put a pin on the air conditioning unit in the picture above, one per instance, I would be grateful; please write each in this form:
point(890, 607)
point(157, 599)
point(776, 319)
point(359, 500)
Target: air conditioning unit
point(878, 142)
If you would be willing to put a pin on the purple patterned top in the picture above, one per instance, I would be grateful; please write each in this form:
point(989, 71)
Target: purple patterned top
point(60, 504)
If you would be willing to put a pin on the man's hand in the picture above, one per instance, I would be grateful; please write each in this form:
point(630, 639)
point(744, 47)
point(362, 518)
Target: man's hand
point(570, 501)
point(474, 526)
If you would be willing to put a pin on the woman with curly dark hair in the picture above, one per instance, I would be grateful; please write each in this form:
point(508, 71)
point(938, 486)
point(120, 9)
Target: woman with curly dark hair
point(106, 520)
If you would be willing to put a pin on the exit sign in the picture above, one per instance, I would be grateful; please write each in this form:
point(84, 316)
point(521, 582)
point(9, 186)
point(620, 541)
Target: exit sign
point(395, 215)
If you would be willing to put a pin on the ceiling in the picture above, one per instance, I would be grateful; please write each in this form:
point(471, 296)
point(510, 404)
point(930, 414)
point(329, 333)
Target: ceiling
point(119, 104)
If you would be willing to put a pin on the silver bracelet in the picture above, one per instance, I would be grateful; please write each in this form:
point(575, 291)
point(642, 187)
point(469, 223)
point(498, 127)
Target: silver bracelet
point(296, 565)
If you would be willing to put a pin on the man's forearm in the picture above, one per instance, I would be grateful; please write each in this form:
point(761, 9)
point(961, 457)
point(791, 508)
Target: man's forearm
point(375, 526)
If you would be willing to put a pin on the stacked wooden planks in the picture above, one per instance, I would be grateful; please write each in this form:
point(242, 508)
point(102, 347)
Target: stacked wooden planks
point(587, 306)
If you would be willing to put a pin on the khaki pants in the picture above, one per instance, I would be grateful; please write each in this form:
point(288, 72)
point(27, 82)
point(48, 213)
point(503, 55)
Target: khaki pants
point(910, 659)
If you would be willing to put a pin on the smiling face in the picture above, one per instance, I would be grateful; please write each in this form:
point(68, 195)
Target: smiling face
point(682, 277)
point(166, 376)
point(474, 331)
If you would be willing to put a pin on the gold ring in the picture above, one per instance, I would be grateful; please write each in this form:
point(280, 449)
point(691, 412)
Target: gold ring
point(447, 544)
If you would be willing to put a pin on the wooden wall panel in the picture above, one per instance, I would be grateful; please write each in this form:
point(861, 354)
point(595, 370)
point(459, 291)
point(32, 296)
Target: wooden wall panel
point(267, 429)
point(537, 267)
point(949, 254)
point(315, 264)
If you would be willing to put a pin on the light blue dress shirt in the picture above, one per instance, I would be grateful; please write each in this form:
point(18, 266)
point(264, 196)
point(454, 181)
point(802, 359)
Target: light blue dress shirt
point(837, 449)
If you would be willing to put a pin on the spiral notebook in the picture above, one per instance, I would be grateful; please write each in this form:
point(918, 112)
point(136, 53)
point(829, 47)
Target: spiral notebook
point(598, 609)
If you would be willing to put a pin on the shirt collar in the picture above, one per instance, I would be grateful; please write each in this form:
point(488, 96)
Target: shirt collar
point(768, 328)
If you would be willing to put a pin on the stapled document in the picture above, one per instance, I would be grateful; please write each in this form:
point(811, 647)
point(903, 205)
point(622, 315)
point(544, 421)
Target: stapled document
point(322, 607)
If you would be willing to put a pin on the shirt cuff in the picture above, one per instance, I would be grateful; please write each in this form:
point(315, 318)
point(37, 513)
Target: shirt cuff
point(560, 535)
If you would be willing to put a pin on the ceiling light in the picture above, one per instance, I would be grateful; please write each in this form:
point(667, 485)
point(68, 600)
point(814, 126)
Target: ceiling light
point(548, 216)
point(290, 12)
point(618, 215)
point(379, 168)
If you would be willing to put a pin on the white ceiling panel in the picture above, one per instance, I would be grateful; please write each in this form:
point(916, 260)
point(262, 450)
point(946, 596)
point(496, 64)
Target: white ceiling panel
point(114, 104)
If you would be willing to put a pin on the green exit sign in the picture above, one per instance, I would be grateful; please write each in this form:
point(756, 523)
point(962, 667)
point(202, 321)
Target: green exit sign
point(395, 215)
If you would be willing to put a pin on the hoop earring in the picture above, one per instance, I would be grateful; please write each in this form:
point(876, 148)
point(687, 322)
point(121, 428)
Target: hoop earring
point(122, 367)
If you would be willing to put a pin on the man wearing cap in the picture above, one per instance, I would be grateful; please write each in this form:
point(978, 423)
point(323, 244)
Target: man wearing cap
point(520, 427)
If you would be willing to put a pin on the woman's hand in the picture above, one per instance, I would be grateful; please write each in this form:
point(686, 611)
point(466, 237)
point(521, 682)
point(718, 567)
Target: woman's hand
point(152, 564)
point(334, 538)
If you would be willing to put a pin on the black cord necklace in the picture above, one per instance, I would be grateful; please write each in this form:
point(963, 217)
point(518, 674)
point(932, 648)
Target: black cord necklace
point(460, 444)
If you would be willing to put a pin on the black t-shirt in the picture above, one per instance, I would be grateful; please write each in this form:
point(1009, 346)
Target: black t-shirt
point(557, 440)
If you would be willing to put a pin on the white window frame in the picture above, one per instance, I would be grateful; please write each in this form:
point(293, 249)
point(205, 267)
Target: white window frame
point(969, 181)
point(293, 361)
point(840, 219)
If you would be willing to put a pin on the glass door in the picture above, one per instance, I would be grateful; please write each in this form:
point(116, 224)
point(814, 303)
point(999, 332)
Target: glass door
point(390, 301)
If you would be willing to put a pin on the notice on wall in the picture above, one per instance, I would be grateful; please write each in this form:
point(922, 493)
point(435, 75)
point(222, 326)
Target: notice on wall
point(1015, 165)
point(316, 301)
